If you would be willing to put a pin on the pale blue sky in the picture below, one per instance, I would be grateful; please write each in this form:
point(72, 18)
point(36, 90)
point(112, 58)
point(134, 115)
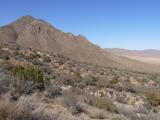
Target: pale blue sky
point(132, 24)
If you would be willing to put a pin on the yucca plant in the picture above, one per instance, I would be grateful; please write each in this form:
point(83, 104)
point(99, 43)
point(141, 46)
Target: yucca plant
point(26, 79)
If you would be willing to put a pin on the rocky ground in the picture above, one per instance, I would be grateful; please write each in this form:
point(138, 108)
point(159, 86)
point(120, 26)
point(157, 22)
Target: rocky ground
point(47, 86)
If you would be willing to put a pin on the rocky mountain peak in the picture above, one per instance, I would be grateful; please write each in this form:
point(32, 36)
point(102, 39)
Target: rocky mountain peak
point(24, 20)
point(27, 17)
point(29, 32)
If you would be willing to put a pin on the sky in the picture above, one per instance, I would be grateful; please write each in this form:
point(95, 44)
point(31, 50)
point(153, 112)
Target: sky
point(130, 24)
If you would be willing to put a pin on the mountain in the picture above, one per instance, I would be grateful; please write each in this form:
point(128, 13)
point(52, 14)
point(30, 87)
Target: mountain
point(148, 55)
point(34, 82)
point(29, 32)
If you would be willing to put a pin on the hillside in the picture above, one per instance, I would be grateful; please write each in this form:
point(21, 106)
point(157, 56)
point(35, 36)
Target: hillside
point(149, 55)
point(29, 32)
point(37, 85)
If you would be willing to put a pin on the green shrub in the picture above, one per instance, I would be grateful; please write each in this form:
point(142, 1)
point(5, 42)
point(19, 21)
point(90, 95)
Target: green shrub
point(88, 80)
point(25, 80)
point(114, 81)
point(29, 73)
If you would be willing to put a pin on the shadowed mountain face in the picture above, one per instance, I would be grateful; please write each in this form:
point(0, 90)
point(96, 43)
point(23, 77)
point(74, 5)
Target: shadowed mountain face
point(149, 55)
point(8, 34)
point(39, 35)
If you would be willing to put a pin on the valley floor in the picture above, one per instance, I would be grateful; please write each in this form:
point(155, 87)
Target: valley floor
point(150, 60)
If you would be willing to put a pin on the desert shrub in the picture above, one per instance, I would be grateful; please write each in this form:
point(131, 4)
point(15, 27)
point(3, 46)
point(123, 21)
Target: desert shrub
point(6, 66)
point(26, 79)
point(129, 113)
point(29, 73)
point(104, 82)
point(153, 98)
point(128, 88)
point(85, 81)
point(71, 102)
point(118, 88)
point(113, 81)
point(53, 91)
point(76, 91)
point(37, 62)
point(27, 111)
point(4, 82)
point(76, 75)
point(101, 83)
point(121, 99)
point(101, 103)
point(91, 80)
point(6, 109)
point(19, 87)
point(46, 59)
point(77, 80)
point(152, 116)
point(80, 84)
point(45, 69)
point(132, 88)
point(4, 55)
point(63, 79)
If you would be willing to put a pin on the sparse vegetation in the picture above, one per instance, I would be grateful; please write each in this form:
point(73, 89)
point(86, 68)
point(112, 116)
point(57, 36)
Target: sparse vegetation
point(101, 103)
point(72, 90)
point(53, 91)
point(71, 103)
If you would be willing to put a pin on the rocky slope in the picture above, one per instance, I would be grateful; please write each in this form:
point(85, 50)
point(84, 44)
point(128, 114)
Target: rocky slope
point(29, 32)
point(34, 82)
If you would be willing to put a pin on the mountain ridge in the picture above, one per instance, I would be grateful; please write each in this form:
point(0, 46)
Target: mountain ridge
point(40, 35)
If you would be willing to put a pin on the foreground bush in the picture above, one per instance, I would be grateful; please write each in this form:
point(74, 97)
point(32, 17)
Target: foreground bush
point(101, 103)
point(29, 73)
point(4, 82)
point(71, 102)
point(27, 111)
point(26, 79)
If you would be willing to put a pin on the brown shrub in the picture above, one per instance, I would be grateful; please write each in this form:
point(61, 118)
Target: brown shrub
point(153, 98)
point(71, 102)
point(101, 103)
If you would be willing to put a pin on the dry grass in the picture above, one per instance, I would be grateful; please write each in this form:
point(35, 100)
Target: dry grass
point(101, 103)
point(153, 98)
point(34, 108)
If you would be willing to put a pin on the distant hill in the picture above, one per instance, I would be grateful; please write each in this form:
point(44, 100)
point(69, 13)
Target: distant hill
point(148, 55)
point(29, 32)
